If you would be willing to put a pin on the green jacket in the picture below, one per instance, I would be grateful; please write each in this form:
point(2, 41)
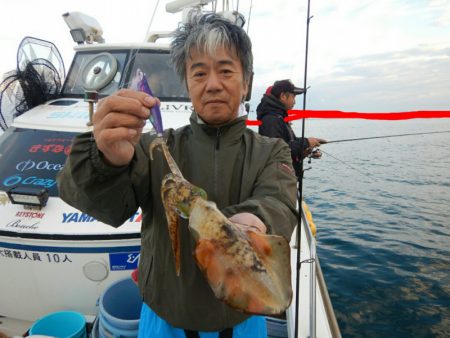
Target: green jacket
point(239, 170)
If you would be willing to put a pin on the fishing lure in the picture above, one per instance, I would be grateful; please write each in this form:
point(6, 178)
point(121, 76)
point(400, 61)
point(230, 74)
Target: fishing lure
point(140, 83)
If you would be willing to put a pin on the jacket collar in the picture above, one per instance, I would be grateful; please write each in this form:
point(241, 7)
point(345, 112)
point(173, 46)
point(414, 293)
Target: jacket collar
point(231, 131)
point(270, 105)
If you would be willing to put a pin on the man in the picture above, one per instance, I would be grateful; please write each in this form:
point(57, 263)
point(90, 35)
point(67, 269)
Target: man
point(272, 110)
point(109, 175)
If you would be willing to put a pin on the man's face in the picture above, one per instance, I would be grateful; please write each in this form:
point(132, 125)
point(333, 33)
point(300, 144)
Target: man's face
point(216, 85)
point(288, 100)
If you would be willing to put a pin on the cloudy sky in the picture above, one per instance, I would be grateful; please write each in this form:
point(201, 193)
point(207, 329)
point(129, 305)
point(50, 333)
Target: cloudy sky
point(364, 55)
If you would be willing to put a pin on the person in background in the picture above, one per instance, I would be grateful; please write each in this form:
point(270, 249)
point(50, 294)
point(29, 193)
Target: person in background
point(272, 111)
point(109, 175)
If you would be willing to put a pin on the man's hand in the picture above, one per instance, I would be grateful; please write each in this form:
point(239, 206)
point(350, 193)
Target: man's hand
point(315, 142)
point(247, 221)
point(118, 123)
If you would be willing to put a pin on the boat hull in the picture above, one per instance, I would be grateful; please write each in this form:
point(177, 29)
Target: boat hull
point(42, 275)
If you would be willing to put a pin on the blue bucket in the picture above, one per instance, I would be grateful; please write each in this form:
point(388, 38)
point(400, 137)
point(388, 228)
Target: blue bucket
point(120, 310)
point(63, 324)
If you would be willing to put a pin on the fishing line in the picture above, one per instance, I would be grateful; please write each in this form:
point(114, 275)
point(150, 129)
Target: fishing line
point(386, 136)
point(152, 18)
point(249, 15)
point(300, 195)
point(350, 166)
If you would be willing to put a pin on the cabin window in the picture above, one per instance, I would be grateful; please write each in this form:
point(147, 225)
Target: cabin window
point(162, 79)
point(82, 64)
point(32, 158)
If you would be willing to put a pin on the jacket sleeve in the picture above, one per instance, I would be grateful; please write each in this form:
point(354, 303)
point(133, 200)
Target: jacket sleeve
point(273, 126)
point(298, 146)
point(105, 192)
point(274, 195)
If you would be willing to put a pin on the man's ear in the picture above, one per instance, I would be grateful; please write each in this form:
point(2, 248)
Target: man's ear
point(246, 87)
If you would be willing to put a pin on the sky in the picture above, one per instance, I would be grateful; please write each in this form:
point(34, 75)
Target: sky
point(364, 55)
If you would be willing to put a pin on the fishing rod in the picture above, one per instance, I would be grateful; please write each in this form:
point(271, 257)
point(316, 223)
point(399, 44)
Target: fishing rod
point(300, 193)
point(386, 136)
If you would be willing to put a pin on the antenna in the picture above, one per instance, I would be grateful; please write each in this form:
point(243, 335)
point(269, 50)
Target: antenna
point(300, 190)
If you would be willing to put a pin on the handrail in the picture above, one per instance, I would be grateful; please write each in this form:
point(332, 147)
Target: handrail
point(312, 277)
point(316, 272)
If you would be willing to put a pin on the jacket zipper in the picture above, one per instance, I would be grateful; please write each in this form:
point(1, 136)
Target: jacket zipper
point(216, 162)
point(218, 139)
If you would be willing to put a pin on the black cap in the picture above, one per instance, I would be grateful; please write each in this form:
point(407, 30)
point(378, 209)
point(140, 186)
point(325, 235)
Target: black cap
point(285, 86)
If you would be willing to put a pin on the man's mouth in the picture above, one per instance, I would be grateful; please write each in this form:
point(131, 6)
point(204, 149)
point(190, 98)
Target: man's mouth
point(215, 102)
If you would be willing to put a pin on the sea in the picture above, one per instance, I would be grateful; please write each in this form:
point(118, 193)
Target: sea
point(382, 211)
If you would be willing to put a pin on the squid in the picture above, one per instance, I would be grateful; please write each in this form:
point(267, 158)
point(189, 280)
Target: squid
point(247, 270)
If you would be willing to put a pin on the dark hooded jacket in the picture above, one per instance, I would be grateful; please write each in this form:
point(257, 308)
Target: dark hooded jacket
point(271, 112)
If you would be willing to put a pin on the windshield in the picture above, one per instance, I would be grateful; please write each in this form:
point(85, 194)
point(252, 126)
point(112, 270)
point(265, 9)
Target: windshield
point(107, 72)
point(106, 67)
point(32, 158)
point(162, 79)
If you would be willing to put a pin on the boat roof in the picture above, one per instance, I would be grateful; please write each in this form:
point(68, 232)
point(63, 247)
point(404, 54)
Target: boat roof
point(124, 45)
point(70, 117)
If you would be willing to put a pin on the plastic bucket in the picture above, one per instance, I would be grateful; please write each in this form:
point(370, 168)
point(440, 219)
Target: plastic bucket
point(120, 310)
point(63, 324)
point(276, 328)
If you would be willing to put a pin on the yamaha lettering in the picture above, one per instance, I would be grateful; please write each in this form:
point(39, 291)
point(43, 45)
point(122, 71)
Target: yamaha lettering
point(76, 217)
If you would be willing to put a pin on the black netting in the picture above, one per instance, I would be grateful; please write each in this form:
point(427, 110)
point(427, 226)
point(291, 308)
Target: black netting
point(35, 81)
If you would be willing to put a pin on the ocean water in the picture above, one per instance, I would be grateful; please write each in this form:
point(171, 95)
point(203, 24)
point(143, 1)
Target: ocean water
point(382, 209)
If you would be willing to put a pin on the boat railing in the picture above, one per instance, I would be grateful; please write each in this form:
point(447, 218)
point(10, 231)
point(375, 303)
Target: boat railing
point(312, 276)
point(316, 275)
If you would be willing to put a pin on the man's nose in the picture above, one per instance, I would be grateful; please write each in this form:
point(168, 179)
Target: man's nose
point(213, 82)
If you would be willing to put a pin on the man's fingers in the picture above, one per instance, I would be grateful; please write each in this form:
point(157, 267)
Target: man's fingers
point(115, 120)
point(126, 102)
point(112, 135)
point(142, 97)
point(315, 142)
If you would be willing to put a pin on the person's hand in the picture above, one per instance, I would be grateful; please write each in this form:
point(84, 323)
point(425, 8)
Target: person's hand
point(315, 142)
point(118, 123)
point(248, 222)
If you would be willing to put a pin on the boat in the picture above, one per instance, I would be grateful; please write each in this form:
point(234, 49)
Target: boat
point(54, 257)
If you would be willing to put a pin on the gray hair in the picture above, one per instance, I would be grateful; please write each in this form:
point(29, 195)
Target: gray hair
point(206, 33)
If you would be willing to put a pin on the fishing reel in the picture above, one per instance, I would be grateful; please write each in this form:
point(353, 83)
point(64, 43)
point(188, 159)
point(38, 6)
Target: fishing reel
point(315, 153)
